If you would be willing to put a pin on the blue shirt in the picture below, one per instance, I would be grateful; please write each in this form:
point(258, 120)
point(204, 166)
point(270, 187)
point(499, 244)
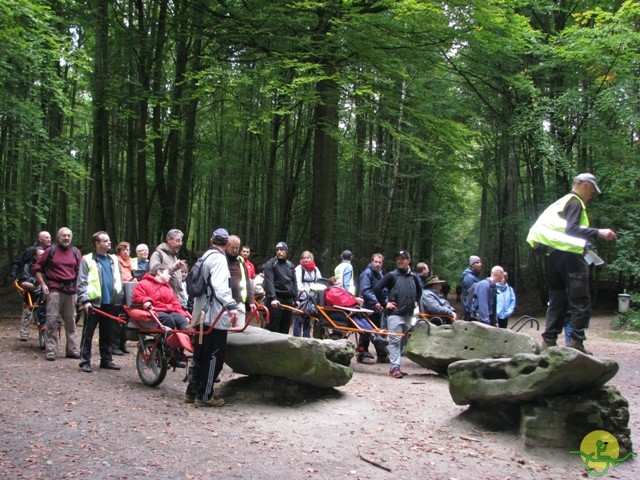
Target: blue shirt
point(106, 278)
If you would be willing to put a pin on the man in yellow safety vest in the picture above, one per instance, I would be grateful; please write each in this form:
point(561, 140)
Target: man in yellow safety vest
point(562, 233)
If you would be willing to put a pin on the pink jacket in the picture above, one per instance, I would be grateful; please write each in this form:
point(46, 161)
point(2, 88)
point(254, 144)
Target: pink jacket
point(160, 295)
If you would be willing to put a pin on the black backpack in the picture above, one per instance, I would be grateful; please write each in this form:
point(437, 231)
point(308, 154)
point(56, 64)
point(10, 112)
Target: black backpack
point(471, 297)
point(471, 293)
point(197, 284)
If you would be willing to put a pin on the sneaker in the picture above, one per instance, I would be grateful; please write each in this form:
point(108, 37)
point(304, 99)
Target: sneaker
point(85, 367)
point(51, 356)
point(109, 366)
point(383, 359)
point(24, 336)
point(395, 373)
point(189, 397)
point(212, 402)
point(75, 356)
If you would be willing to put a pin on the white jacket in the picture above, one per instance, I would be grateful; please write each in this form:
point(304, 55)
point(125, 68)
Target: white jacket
point(207, 307)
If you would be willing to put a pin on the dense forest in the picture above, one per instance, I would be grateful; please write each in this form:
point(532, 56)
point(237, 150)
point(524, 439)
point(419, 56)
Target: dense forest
point(371, 125)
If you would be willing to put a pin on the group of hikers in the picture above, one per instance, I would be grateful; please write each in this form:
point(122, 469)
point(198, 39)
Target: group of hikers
point(64, 282)
point(68, 283)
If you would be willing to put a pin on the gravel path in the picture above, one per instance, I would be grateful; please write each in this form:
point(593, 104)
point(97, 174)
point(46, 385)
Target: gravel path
point(57, 422)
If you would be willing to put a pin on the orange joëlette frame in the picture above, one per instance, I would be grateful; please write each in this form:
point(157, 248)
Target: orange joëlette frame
point(429, 316)
point(348, 313)
point(26, 295)
point(141, 317)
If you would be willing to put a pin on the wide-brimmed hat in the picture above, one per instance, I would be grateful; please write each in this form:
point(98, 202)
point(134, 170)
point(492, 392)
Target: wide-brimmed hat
point(433, 281)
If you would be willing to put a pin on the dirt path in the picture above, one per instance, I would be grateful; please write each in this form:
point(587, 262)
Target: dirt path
point(57, 422)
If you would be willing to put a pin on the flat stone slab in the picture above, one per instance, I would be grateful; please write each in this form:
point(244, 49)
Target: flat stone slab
point(436, 347)
point(321, 363)
point(526, 377)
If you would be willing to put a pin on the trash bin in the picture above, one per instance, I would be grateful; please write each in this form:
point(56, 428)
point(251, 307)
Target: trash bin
point(623, 302)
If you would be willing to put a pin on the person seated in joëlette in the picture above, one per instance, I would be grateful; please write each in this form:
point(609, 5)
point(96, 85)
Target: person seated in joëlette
point(433, 303)
point(336, 296)
point(154, 291)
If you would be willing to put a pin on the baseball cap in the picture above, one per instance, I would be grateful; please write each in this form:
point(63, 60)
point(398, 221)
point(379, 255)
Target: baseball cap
point(587, 178)
point(403, 253)
point(220, 236)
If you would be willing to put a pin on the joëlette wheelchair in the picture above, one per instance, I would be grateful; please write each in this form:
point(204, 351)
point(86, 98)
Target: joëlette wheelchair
point(159, 347)
point(30, 306)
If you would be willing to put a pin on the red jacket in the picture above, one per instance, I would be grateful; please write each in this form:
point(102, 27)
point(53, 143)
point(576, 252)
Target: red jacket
point(339, 297)
point(160, 295)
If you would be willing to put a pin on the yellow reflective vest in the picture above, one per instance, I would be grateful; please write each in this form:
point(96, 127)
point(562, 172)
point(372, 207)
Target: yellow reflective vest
point(550, 228)
point(94, 289)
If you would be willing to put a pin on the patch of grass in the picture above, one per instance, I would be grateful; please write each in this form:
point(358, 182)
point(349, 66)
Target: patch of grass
point(629, 320)
point(622, 335)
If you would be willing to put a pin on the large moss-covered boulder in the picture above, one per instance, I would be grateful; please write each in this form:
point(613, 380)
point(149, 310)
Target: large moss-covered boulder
point(436, 347)
point(526, 377)
point(322, 363)
point(562, 421)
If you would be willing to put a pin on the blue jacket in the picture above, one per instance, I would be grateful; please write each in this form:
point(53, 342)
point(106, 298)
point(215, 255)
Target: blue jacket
point(469, 277)
point(484, 303)
point(505, 301)
point(368, 278)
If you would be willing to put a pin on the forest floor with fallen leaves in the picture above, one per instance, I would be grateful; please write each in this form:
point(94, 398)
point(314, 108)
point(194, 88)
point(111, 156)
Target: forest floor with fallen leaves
point(57, 422)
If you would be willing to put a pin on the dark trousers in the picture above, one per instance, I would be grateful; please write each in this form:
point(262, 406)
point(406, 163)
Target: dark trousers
point(280, 319)
point(568, 278)
point(302, 326)
point(365, 340)
point(208, 359)
point(173, 320)
point(105, 327)
point(118, 334)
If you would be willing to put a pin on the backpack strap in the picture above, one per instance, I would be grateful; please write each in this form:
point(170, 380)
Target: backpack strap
point(210, 292)
point(52, 251)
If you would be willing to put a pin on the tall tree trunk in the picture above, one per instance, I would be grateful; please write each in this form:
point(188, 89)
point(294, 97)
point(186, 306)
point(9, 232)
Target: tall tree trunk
point(325, 166)
point(157, 86)
point(396, 168)
point(96, 217)
point(185, 191)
